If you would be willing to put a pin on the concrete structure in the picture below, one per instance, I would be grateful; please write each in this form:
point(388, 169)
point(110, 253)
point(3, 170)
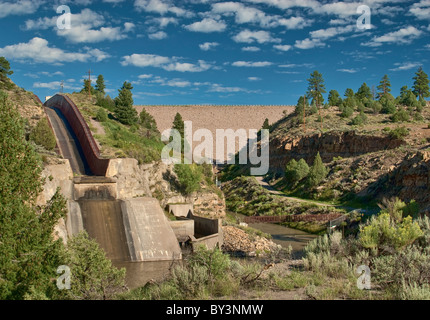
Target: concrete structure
point(90, 150)
point(180, 209)
point(183, 229)
point(149, 235)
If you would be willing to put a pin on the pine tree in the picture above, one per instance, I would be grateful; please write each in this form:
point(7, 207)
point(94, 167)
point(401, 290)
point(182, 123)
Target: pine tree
point(124, 105)
point(421, 85)
point(349, 93)
point(148, 121)
point(178, 124)
point(317, 172)
point(87, 87)
point(384, 87)
point(266, 124)
point(334, 98)
point(315, 90)
point(100, 84)
point(4, 68)
point(364, 92)
point(29, 256)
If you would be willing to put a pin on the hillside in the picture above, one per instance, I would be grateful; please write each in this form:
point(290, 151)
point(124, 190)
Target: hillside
point(368, 162)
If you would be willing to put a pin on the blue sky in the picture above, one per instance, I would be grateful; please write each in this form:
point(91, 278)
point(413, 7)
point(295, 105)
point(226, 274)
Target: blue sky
point(214, 52)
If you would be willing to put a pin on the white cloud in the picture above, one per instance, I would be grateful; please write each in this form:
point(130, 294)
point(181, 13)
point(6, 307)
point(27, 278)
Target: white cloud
point(405, 66)
point(168, 64)
point(161, 7)
point(160, 35)
point(208, 45)
point(250, 64)
point(37, 50)
point(247, 36)
point(251, 49)
point(244, 14)
point(87, 27)
point(20, 7)
point(207, 25)
point(402, 36)
point(254, 79)
point(284, 47)
point(55, 85)
point(348, 70)
point(145, 76)
point(309, 43)
point(421, 10)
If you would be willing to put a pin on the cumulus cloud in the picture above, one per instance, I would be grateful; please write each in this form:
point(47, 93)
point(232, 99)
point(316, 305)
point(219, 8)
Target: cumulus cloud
point(166, 63)
point(402, 36)
point(21, 7)
point(161, 7)
point(87, 27)
point(207, 25)
point(248, 36)
point(37, 50)
point(160, 35)
point(281, 47)
point(421, 10)
point(208, 45)
point(309, 43)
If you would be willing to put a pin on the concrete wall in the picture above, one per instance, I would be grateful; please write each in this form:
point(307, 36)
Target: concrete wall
point(97, 165)
point(211, 242)
point(181, 210)
point(183, 229)
point(149, 235)
point(95, 191)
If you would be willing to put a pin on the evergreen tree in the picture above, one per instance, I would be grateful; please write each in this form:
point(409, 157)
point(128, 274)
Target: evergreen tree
point(4, 68)
point(364, 92)
point(334, 98)
point(178, 124)
point(148, 121)
point(100, 85)
point(384, 87)
point(29, 256)
point(421, 84)
point(42, 135)
point(349, 93)
point(266, 124)
point(317, 172)
point(124, 105)
point(316, 88)
point(87, 87)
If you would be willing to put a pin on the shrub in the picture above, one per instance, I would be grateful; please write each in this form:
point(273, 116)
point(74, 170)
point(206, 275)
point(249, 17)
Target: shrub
point(359, 120)
point(347, 112)
point(101, 115)
point(399, 133)
point(189, 177)
point(296, 171)
point(42, 135)
point(383, 233)
point(400, 116)
point(105, 102)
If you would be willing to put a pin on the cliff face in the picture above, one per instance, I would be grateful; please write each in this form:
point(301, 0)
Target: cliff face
point(411, 179)
point(329, 145)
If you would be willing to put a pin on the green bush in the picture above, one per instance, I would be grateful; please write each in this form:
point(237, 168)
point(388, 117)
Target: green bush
point(296, 171)
point(359, 120)
point(189, 177)
point(102, 115)
point(400, 116)
point(347, 112)
point(105, 102)
point(399, 133)
point(42, 135)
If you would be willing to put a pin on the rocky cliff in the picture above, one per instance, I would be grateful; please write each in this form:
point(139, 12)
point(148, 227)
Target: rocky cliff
point(330, 145)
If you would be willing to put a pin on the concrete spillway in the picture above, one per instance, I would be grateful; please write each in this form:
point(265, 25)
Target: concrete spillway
point(67, 142)
point(103, 221)
point(129, 231)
